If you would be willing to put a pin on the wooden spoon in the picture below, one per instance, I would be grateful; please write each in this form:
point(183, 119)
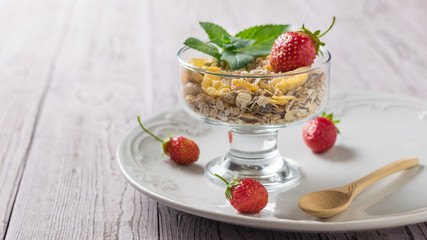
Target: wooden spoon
point(329, 202)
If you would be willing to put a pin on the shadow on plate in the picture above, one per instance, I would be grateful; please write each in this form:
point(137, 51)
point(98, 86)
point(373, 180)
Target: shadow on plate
point(339, 153)
point(193, 168)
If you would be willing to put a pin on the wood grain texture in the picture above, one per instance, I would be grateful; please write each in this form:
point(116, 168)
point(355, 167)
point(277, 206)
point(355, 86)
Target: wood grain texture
point(27, 53)
point(76, 73)
point(73, 185)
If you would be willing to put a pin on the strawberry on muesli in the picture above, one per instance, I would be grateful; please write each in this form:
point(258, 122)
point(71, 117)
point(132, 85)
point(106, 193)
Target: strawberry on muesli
point(293, 50)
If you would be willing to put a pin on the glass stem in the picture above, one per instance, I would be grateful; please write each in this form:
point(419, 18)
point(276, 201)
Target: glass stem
point(253, 147)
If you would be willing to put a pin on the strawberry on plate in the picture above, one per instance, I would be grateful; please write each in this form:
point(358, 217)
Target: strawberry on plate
point(293, 50)
point(320, 133)
point(246, 195)
point(180, 149)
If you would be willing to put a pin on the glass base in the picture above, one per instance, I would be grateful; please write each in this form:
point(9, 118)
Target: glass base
point(254, 154)
point(275, 174)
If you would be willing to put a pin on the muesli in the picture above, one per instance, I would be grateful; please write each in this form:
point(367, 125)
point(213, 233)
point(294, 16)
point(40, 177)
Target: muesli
point(254, 101)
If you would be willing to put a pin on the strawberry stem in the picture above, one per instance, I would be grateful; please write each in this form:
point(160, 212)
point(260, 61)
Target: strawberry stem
point(226, 183)
point(234, 182)
point(142, 126)
point(315, 36)
point(333, 22)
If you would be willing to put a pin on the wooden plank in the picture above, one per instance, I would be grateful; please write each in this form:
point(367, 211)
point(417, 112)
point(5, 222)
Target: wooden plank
point(27, 49)
point(72, 188)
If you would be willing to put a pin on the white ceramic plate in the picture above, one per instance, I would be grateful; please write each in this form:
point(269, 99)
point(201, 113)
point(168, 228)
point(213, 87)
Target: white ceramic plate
point(376, 129)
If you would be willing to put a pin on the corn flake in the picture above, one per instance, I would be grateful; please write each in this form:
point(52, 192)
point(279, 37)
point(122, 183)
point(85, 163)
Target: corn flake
point(265, 86)
point(213, 85)
point(281, 100)
point(198, 62)
point(269, 68)
point(286, 84)
point(244, 83)
point(213, 69)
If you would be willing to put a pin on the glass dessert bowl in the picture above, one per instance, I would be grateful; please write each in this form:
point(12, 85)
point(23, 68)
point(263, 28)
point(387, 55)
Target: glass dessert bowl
point(253, 103)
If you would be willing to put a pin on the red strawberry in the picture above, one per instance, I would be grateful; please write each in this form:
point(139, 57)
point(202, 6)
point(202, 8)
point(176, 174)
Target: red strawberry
point(180, 149)
point(293, 50)
point(246, 195)
point(320, 133)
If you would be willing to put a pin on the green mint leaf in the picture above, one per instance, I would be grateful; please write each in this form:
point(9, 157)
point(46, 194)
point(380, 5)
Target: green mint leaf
point(218, 42)
point(263, 32)
point(234, 43)
point(264, 36)
point(214, 31)
point(236, 60)
point(257, 50)
point(203, 47)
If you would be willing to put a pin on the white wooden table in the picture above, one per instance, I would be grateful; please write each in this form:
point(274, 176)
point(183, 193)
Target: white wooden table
point(74, 74)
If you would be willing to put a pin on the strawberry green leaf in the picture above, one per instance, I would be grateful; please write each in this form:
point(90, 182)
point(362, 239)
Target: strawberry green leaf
point(330, 117)
point(236, 60)
point(228, 193)
point(214, 31)
point(203, 47)
point(233, 183)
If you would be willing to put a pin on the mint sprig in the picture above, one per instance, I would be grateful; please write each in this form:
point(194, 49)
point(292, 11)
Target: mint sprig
point(240, 49)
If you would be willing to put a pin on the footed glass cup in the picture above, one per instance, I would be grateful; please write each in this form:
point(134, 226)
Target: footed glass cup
point(253, 104)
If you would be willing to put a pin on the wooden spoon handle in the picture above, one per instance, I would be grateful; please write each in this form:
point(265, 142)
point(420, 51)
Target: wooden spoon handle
point(359, 185)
